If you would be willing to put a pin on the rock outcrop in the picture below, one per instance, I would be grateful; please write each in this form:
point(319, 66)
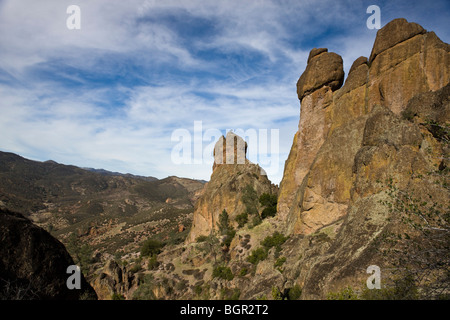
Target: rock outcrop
point(318, 179)
point(114, 279)
point(33, 264)
point(232, 173)
point(388, 122)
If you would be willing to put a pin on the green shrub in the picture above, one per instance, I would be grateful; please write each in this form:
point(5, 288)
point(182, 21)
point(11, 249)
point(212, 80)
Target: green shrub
point(276, 294)
point(145, 289)
point(295, 292)
point(250, 198)
point(279, 263)
point(276, 240)
point(269, 201)
point(151, 247)
point(198, 290)
point(223, 272)
point(242, 219)
point(346, 293)
point(117, 296)
point(402, 288)
point(201, 238)
point(153, 262)
point(230, 294)
point(228, 238)
point(225, 228)
point(269, 212)
point(243, 272)
point(256, 220)
point(257, 255)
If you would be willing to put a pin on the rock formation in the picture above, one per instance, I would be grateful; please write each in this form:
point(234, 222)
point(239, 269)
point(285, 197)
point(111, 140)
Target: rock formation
point(232, 172)
point(33, 264)
point(114, 279)
point(318, 179)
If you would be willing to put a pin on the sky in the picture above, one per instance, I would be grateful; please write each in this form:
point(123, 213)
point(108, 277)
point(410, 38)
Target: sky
point(147, 87)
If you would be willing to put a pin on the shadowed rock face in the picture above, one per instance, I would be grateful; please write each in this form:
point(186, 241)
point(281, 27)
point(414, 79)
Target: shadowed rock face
point(33, 264)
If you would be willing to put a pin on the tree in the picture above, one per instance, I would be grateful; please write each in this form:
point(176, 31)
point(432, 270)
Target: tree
point(210, 245)
point(269, 201)
point(242, 219)
point(223, 224)
point(250, 198)
point(151, 247)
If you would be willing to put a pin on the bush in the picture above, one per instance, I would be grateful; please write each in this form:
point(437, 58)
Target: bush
point(225, 228)
point(269, 201)
point(256, 221)
point(346, 293)
point(269, 212)
point(153, 262)
point(223, 272)
point(228, 238)
point(402, 288)
point(151, 247)
point(276, 294)
point(224, 223)
point(249, 199)
point(201, 238)
point(279, 263)
point(257, 255)
point(276, 240)
point(242, 219)
point(230, 294)
point(295, 292)
point(117, 296)
point(198, 290)
point(243, 272)
point(145, 289)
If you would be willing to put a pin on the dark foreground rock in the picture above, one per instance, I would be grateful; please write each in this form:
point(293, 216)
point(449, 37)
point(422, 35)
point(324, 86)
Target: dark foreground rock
point(33, 264)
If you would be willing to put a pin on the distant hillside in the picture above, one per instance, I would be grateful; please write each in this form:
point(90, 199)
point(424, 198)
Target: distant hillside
point(128, 175)
point(110, 211)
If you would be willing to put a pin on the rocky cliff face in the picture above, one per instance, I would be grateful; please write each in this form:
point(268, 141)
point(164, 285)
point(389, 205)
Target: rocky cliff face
point(33, 264)
point(377, 127)
point(232, 173)
point(406, 60)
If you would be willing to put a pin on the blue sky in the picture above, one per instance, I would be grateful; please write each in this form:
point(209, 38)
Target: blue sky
point(111, 94)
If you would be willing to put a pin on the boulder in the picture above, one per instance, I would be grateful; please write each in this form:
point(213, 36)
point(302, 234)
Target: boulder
point(323, 69)
point(33, 264)
point(396, 31)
